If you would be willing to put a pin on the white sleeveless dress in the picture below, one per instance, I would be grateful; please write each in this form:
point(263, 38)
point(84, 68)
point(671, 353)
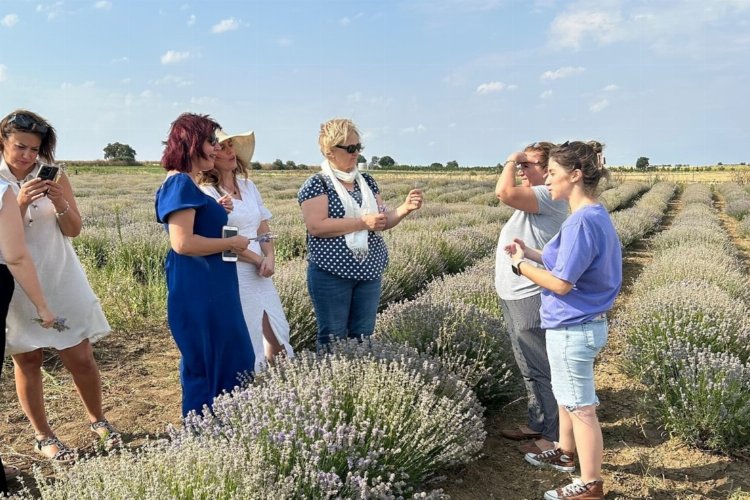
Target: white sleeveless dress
point(257, 294)
point(63, 281)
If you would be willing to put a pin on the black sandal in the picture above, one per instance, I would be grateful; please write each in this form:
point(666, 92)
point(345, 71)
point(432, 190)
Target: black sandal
point(64, 454)
point(110, 438)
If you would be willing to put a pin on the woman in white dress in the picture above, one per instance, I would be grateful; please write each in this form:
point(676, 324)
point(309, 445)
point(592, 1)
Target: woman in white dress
point(50, 219)
point(261, 305)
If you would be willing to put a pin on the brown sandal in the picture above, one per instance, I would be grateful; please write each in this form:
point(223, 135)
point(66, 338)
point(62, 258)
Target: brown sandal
point(64, 455)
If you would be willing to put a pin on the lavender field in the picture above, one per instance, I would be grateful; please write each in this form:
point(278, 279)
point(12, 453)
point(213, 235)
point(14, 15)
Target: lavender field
point(411, 413)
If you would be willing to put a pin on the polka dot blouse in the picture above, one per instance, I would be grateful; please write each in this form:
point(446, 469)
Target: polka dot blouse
point(332, 254)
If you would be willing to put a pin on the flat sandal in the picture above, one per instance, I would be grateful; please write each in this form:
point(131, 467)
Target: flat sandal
point(111, 437)
point(64, 455)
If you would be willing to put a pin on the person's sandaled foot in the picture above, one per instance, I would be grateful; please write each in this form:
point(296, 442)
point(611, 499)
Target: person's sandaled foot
point(108, 435)
point(11, 472)
point(54, 449)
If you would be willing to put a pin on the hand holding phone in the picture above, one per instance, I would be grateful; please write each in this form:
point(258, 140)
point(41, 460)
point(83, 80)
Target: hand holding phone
point(228, 232)
point(48, 172)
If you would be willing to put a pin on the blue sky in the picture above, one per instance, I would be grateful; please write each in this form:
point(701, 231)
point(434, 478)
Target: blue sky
point(425, 80)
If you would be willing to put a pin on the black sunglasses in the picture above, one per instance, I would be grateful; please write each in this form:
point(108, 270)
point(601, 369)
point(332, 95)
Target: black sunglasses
point(213, 139)
point(27, 123)
point(352, 148)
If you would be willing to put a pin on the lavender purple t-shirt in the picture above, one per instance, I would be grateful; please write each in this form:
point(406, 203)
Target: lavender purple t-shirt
point(586, 252)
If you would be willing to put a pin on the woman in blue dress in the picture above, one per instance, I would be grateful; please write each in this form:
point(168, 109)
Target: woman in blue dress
point(203, 303)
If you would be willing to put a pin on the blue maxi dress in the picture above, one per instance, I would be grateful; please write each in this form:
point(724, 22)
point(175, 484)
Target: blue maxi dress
point(203, 302)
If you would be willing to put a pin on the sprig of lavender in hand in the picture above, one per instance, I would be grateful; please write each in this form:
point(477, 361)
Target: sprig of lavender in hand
point(58, 325)
point(265, 237)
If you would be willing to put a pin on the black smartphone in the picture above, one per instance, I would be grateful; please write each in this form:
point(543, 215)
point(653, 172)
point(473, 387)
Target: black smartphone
point(228, 232)
point(48, 172)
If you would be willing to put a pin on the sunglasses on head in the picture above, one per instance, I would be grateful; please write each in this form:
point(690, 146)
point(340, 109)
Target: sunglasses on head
point(352, 148)
point(27, 123)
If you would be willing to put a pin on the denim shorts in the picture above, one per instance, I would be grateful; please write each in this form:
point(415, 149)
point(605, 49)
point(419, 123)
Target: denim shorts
point(571, 351)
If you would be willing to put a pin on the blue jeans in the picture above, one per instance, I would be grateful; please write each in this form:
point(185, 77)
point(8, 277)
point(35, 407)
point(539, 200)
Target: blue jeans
point(571, 351)
point(344, 308)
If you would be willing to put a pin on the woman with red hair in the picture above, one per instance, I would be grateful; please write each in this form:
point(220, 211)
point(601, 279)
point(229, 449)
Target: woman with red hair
point(203, 302)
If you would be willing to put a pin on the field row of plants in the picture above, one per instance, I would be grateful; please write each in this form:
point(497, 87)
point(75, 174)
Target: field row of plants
point(688, 330)
point(635, 222)
point(737, 204)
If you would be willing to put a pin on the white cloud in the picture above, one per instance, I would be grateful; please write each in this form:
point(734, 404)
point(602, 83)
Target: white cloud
point(413, 130)
point(489, 87)
point(172, 56)
point(611, 87)
point(191, 20)
point(546, 94)
point(103, 5)
point(3, 72)
point(10, 20)
point(285, 42)
point(52, 10)
point(225, 25)
point(599, 105)
point(570, 28)
point(146, 94)
point(345, 21)
point(126, 80)
point(120, 60)
point(66, 85)
point(173, 80)
point(203, 101)
point(354, 97)
point(563, 72)
point(88, 84)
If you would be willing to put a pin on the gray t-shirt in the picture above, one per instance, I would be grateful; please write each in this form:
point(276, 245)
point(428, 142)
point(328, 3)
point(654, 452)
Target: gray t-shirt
point(535, 230)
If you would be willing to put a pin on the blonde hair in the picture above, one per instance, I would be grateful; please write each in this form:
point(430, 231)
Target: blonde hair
point(334, 132)
point(211, 177)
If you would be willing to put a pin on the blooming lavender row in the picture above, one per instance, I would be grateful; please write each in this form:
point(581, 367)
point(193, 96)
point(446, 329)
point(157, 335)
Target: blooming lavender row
point(369, 420)
point(622, 194)
point(688, 329)
point(457, 320)
point(736, 198)
point(635, 222)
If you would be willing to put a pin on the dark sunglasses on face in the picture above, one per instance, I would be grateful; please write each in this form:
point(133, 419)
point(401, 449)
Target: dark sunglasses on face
point(213, 139)
point(27, 123)
point(352, 148)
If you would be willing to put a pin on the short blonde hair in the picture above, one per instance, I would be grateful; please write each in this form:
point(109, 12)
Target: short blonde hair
point(334, 132)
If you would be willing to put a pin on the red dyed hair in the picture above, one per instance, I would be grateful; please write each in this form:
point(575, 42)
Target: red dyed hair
point(185, 141)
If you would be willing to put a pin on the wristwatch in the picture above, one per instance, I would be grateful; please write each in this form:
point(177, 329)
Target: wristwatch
point(516, 267)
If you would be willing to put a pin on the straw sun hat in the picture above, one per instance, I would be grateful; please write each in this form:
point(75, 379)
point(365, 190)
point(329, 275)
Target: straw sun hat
point(244, 144)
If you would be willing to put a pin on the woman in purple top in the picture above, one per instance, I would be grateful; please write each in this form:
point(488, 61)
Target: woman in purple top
point(581, 277)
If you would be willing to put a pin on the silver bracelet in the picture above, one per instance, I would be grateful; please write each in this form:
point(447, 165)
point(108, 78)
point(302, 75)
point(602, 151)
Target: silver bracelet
point(67, 207)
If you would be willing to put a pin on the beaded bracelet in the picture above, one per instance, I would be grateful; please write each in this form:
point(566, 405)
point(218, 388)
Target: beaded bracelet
point(67, 207)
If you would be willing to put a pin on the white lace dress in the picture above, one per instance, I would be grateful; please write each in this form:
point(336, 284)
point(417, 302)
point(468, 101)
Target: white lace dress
point(257, 294)
point(63, 281)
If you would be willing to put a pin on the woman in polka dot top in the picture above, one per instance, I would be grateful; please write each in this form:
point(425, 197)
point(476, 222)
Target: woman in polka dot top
point(344, 215)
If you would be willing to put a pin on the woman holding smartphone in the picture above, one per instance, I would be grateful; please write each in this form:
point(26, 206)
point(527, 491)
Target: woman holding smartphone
point(50, 218)
point(16, 262)
point(203, 302)
point(229, 184)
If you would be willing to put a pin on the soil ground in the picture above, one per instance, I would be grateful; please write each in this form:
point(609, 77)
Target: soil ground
point(142, 396)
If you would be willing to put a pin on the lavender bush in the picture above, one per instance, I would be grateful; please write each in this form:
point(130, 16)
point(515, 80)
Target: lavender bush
point(703, 396)
point(368, 415)
point(469, 342)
